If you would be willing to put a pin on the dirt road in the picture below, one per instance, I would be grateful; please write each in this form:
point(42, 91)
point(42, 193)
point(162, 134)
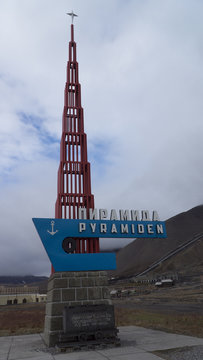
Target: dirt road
point(166, 307)
point(179, 299)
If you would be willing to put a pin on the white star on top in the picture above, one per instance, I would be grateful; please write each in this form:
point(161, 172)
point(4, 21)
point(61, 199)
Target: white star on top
point(72, 15)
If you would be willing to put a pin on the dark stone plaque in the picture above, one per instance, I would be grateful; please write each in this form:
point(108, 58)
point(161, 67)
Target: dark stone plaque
point(88, 318)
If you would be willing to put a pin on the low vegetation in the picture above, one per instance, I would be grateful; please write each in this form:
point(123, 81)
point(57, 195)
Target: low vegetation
point(21, 319)
point(188, 324)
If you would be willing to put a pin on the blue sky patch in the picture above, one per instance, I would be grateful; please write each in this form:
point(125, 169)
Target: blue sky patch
point(48, 141)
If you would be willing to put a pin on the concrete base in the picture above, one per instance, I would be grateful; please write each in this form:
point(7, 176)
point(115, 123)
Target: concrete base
point(136, 344)
point(69, 289)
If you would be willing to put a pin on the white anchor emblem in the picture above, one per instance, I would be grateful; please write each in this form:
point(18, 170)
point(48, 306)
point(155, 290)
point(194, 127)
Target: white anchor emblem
point(52, 232)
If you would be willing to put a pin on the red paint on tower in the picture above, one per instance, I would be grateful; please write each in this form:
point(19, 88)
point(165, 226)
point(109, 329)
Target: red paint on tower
point(74, 181)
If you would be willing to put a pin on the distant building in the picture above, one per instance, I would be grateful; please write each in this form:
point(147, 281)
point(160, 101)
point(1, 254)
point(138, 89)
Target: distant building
point(164, 283)
point(20, 295)
point(4, 290)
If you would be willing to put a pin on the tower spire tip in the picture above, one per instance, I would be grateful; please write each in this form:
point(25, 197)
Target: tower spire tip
point(72, 15)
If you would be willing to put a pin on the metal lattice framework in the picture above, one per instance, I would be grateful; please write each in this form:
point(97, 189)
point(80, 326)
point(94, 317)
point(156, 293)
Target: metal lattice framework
point(74, 181)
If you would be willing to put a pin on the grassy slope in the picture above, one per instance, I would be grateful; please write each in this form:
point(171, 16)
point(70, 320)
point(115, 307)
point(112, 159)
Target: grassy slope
point(21, 319)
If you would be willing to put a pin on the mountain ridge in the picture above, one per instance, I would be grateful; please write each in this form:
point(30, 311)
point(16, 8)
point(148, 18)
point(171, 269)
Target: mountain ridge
point(140, 253)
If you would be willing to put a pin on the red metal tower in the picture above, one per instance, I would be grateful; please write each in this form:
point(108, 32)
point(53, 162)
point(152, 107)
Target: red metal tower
point(74, 181)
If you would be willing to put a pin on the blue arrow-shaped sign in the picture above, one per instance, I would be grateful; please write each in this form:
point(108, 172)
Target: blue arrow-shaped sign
point(53, 232)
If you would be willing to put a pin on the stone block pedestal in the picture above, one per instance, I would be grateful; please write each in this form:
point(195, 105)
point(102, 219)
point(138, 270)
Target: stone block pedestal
point(69, 289)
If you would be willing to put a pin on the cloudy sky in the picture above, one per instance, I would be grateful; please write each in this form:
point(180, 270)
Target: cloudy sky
point(140, 64)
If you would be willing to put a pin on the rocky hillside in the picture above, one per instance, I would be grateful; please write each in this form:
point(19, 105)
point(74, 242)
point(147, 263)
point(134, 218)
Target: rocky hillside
point(138, 255)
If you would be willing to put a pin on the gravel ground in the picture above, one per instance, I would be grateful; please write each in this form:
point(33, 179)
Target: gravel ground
point(185, 353)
